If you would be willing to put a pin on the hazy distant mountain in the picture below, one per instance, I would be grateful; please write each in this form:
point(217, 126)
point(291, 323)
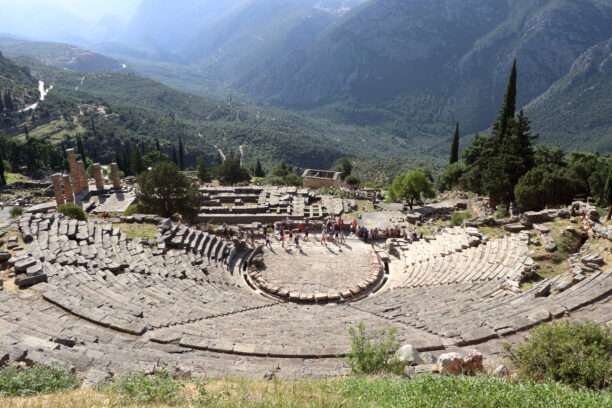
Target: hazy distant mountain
point(577, 110)
point(453, 55)
point(60, 55)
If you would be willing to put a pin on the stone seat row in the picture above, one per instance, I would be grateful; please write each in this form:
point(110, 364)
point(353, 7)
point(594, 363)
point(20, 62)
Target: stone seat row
point(498, 259)
point(467, 314)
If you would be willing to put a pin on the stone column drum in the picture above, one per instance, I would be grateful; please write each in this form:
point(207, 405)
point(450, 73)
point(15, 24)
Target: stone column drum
point(58, 189)
point(68, 192)
point(115, 176)
point(83, 179)
point(97, 173)
point(74, 170)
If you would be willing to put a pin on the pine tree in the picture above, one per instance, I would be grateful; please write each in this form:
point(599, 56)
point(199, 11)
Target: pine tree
point(157, 146)
point(259, 171)
point(455, 147)
point(181, 153)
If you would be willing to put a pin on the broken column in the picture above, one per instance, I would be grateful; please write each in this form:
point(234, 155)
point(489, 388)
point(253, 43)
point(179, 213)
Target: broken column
point(115, 176)
point(97, 173)
point(74, 171)
point(58, 190)
point(83, 179)
point(68, 192)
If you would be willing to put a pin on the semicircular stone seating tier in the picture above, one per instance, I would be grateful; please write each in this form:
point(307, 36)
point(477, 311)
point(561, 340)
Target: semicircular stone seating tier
point(459, 255)
point(113, 305)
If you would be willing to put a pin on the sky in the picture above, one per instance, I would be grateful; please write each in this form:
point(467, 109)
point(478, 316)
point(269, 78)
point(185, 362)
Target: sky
point(91, 10)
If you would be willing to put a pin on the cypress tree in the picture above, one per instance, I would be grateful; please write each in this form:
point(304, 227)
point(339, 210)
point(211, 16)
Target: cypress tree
point(1, 100)
point(508, 110)
point(157, 146)
point(455, 147)
point(93, 128)
point(2, 176)
point(174, 155)
point(259, 171)
point(81, 148)
point(181, 153)
point(136, 160)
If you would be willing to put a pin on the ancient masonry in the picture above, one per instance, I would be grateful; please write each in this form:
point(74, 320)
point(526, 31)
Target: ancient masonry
point(69, 188)
point(103, 304)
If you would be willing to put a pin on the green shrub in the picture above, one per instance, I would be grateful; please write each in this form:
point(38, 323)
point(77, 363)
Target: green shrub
point(458, 218)
point(576, 354)
point(374, 353)
point(72, 211)
point(16, 212)
point(159, 388)
point(134, 209)
point(16, 382)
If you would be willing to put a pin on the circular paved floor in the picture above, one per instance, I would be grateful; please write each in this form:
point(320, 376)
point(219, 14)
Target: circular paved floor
point(314, 269)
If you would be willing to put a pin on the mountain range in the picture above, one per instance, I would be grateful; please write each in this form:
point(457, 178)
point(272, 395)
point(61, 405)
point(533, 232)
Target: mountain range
point(377, 73)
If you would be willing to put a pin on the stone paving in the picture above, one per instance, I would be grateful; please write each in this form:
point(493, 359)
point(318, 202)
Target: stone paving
point(318, 273)
point(90, 299)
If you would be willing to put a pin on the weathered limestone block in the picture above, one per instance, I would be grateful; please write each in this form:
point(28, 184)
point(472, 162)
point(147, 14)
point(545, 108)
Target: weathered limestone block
point(450, 363)
point(115, 177)
point(98, 177)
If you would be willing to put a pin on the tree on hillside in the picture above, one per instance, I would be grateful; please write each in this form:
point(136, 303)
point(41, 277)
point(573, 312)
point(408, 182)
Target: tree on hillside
point(508, 110)
point(411, 187)
point(136, 160)
point(154, 157)
point(81, 148)
point(157, 146)
point(608, 194)
point(345, 167)
point(282, 170)
point(231, 172)
point(181, 154)
point(203, 173)
point(2, 173)
point(353, 182)
point(175, 159)
point(166, 191)
point(259, 171)
point(454, 158)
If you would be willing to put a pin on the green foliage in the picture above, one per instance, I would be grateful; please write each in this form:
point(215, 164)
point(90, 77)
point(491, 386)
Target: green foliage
point(451, 177)
point(154, 157)
point(259, 171)
point(165, 191)
point(134, 209)
point(572, 353)
point(2, 173)
point(352, 181)
point(454, 158)
point(230, 172)
point(159, 388)
point(23, 382)
point(345, 167)
point(72, 211)
point(412, 186)
point(373, 353)
point(545, 186)
point(282, 169)
point(203, 174)
point(458, 218)
point(465, 392)
point(16, 212)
